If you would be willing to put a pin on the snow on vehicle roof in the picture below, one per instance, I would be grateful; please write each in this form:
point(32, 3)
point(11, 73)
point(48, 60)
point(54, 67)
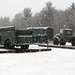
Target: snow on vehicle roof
point(7, 27)
point(37, 27)
point(67, 29)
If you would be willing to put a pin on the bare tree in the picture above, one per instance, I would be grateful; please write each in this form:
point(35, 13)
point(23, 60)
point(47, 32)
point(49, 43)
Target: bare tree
point(4, 21)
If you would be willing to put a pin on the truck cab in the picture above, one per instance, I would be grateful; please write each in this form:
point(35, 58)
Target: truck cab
point(65, 35)
point(10, 37)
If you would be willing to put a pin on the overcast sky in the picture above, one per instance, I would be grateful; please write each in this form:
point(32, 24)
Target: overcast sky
point(10, 7)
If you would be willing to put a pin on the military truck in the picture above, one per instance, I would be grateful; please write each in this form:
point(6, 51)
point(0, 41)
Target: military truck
point(42, 34)
point(10, 37)
point(65, 35)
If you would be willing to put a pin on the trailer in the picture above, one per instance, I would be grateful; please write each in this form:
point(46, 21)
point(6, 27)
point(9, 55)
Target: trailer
point(42, 34)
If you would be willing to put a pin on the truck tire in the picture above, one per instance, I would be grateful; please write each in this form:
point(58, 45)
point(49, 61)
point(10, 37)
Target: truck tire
point(73, 41)
point(24, 46)
point(62, 42)
point(55, 41)
point(7, 44)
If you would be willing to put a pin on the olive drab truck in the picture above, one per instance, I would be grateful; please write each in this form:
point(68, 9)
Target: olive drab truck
point(65, 35)
point(10, 37)
point(42, 34)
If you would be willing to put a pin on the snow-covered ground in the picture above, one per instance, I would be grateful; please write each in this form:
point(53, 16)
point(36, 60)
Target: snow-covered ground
point(56, 62)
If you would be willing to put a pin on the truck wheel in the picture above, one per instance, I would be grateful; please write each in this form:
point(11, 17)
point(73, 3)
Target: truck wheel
point(62, 42)
point(7, 43)
point(24, 46)
point(73, 43)
point(55, 41)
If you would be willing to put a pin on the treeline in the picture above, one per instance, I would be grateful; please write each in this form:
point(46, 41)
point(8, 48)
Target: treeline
point(48, 16)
